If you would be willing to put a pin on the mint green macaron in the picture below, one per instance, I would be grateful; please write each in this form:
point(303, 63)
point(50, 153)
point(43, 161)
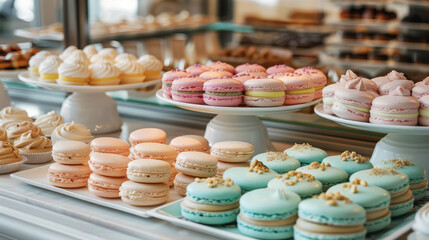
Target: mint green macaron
point(350, 162)
point(278, 162)
point(303, 184)
point(327, 175)
point(306, 154)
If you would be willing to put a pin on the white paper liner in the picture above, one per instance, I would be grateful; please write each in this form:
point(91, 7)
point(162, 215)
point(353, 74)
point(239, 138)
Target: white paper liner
point(34, 158)
point(12, 167)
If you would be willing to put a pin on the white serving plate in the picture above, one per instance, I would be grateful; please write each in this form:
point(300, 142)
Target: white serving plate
point(38, 177)
point(11, 73)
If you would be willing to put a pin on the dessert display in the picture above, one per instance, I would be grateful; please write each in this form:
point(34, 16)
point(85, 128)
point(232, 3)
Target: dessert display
point(71, 131)
point(268, 213)
point(350, 162)
point(325, 173)
point(256, 176)
point(306, 154)
point(396, 183)
point(303, 184)
point(373, 199)
point(279, 162)
point(49, 122)
point(367, 13)
point(211, 201)
point(13, 57)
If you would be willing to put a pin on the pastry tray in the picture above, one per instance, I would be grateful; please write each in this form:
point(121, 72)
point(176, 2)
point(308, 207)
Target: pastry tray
point(38, 177)
point(171, 213)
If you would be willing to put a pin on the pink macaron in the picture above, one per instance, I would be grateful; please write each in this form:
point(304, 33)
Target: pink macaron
point(169, 77)
point(299, 88)
point(215, 74)
point(424, 110)
point(279, 69)
point(353, 101)
point(142, 135)
point(421, 88)
point(244, 76)
point(398, 108)
point(110, 145)
point(223, 92)
point(391, 86)
point(222, 66)
point(107, 164)
point(189, 90)
point(393, 75)
point(328, 94)
point(369, 84)
point(107, 187)
point(197, 69)
point(264, 92)
point(318, 78)
point(68, 176)
point(247, 67)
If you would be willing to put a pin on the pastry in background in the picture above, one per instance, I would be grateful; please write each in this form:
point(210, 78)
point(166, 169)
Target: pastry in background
point(73, 72)
point(104, 73)
point(126, 57)
point(153, 67)
point(279, 69)
point(78, 56)
point(11, 113)
point(197, 69)
point(15, 131)
point(36, 60)
point(49, 122)
point(221, 66)
point(90, 51)
point(247, 67)
point(131, 72)
point(71, 131)
point(67, 52)
point(98, 58)
point(48, 69)
point(108, 52)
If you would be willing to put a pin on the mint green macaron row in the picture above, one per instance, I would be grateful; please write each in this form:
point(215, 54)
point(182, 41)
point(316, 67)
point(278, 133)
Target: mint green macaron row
point(264, 232)
point(350, 166)
point(220, 195)
point(301, 235)
point(393, 183)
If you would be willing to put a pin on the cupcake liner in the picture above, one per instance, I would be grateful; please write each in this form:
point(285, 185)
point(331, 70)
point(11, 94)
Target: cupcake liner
point(34, 158)
point(12, 167)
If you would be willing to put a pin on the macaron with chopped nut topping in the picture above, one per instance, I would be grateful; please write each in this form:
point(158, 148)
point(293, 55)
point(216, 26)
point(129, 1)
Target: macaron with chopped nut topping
point(306, 154)
point(325, 173)
point(303, 184)
point(350, 162)
point(279, 162)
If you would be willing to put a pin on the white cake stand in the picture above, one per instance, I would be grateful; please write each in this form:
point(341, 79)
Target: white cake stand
point(409, 142)
point(89, 105)
point(237, 123)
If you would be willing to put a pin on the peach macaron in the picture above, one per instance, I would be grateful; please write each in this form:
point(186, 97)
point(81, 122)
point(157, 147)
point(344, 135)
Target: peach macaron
point(196, 164)
point(71, 152)
point(189, 143)
point(154, 151)
point(144, 194)
point(143, 135)
point(107, 187)
point(110, 145)
point(181, 182)
point(148, 171)
point(68, 176)
point(108, 164)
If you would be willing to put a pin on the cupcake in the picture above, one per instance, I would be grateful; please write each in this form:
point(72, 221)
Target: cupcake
point(90, 51)
point(36, 60)
point(130, 72)
point(69, 50)
point(36, 148)
point(48, 69)
point(11, 113)
point(15, 131)
point(73, 72)
point(10, 160)
point(3, 135)
point(152, 66)
point(350, 162)
point(78, 56)
point(303, 184)
point(49, 122)
point(126, 57)
point(71, 131)
point(197, 69)
point(104, 73)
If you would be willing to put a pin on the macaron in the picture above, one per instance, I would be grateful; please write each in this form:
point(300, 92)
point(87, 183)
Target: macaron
point(415, 173)
point(306, 154)
point(181, 182)
point(173, 173)
point(330, 216)
point(244, 76)
point(318, 78)
point(169, 77)
point(107, 187)
point(373, 199)
point(197, 69)
point(299, 88)
point(188, 90)
point(396, 183)
point(279, 69)
point(190, 143)
point(196, 164)
point(421, 88)
point(279, 162)
point(148, 171)
point(215, 74)
point(71, 152)
point(247, 67)
point(256, 176)
point(108, 164)
point(232, 151)
point(391, 76)
point(424, 111)
point(110, 145)
point(327, 175)
point(154, 151)
point(223, 166)
point(221, 65)
point(144, 194)
point(264, 92)
point(211, 201)
point(68, 176)
point(268, 213)
point(303, 184)
point(369, 85)
point(396, 109)
point(328, 94)
point(350, 162)
point(223, 92)
point(389, 87)
point(143, 135)
point(353, 101)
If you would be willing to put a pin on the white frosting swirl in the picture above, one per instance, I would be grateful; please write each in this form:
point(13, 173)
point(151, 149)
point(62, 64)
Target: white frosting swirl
point(90, 51)
point(73, 69)
point(49, 122)
point(14, 114)
point(150, 63)
point(104, 69)
point(108, 52)
point(67, 52)
point(71, 131)
point(29, 142)
point(7, 123)
point(50, 65)
point(421, 221)
point(128, 69)
point(78, 55)
point(98, 58)
point(37, 59)
point(15, 131)
point(126, 57)
point(3, 135)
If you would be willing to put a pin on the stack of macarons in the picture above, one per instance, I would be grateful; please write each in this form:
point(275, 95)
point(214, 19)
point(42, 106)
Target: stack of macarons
point(108, 163)
point(191, 165)
point(252, 85)
point(190, 143)
point(71, 169)
point(231, 154)
point(306, 153)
